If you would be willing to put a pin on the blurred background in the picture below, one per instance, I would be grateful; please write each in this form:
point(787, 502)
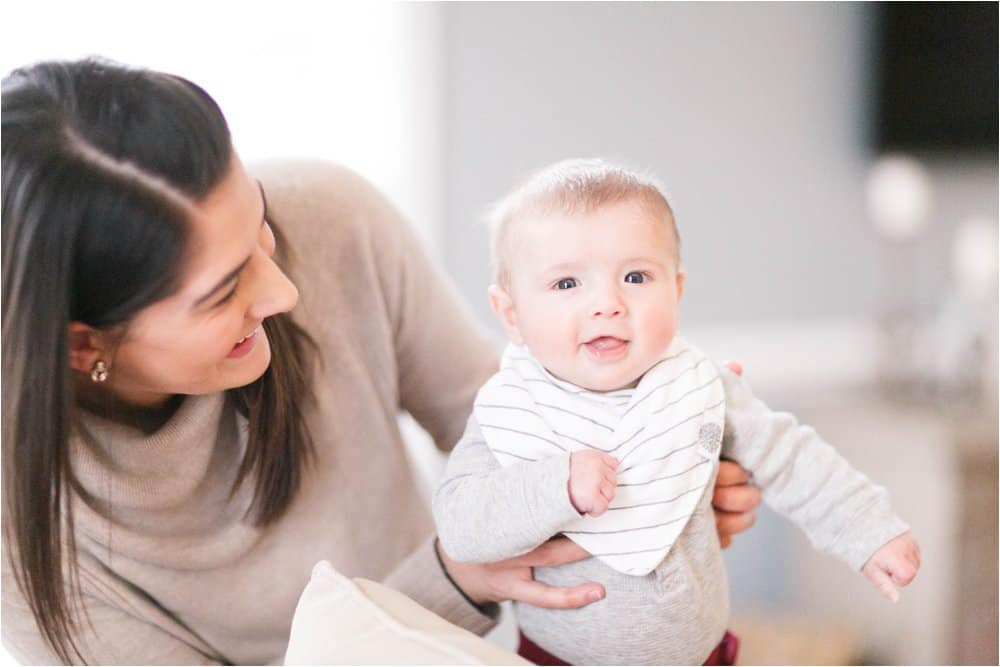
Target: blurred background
point(833, 168)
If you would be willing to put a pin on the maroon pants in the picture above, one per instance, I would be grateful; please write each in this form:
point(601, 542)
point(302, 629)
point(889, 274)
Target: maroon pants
point(724, 653)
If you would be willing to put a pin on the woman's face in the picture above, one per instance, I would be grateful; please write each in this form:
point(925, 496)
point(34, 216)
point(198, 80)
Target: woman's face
point(207, 337)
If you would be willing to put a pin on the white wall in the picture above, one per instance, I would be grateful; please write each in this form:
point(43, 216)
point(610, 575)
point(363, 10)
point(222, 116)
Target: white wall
point(357, 83)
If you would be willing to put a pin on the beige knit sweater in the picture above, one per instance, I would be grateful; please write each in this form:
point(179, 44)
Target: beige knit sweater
point(170, 570)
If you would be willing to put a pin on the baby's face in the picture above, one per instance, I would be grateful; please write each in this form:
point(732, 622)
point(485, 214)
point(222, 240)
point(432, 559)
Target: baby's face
point(594, 295)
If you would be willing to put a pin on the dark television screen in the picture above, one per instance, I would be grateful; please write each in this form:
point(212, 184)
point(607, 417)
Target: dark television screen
point(936, 76)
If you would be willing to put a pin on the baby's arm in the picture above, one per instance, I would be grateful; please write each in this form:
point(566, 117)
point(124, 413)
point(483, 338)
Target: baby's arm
point(486, 513)
point(806, 480)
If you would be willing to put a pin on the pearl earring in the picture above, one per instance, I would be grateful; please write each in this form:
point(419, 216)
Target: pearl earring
point(99, 373)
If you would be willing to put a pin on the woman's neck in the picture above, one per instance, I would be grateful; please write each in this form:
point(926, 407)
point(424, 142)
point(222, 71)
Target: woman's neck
point(103, 402)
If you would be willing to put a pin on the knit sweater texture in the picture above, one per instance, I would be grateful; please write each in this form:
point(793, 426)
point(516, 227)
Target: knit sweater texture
point(171, 569)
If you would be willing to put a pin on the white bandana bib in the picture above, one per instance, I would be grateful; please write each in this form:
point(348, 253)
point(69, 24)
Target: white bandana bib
point(666, 434)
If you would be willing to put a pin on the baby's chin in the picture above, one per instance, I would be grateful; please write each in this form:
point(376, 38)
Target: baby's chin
point(604, 385)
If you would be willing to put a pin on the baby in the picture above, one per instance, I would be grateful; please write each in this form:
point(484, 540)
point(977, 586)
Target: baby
point(606, 426)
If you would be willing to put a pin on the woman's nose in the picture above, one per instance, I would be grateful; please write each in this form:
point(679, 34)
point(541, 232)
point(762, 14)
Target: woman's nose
point(277, 294)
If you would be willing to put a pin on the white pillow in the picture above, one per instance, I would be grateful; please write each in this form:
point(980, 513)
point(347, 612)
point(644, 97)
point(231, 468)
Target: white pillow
point(359, 622)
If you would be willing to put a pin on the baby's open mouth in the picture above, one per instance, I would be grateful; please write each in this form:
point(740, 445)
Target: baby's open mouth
point(606, 344)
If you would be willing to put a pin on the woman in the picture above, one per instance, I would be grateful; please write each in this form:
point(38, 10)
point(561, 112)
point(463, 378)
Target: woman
point(178, 450)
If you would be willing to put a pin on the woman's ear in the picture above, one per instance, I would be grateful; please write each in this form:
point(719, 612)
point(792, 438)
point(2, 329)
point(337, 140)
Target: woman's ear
point(85, 347)
point(503, 306)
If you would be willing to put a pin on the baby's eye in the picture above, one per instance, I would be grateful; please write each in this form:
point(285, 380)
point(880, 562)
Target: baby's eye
point(566, 283)
point(635, 277)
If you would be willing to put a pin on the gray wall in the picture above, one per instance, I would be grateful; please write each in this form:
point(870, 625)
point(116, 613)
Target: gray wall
point(750, 114)
point(753, 115)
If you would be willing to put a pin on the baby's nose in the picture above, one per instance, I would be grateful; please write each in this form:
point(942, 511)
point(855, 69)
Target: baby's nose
point(609, 311)
point(609, 304)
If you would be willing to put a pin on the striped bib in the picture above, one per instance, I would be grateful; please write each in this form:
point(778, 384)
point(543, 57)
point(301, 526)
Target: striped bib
point(666, 434)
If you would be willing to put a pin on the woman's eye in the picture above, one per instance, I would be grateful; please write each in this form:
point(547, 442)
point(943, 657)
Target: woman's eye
point(635, 277)
point(229, 297)
point(566, 283)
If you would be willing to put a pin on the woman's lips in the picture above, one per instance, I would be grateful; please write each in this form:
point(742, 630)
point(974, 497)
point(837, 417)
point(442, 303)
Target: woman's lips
point(606, 348)
point(245, 346)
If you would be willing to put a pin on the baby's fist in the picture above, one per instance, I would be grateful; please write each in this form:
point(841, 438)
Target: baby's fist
point(895, 563)
point(592, 481)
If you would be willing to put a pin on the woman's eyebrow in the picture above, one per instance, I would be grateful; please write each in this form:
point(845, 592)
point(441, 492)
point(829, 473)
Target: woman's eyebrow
point(228, 278)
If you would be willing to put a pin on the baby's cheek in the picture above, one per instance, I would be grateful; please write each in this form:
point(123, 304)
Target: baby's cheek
point(660, 329)
point(552, 340)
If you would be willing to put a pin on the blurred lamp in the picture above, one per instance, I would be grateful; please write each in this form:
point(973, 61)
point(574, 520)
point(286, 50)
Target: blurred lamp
point(899, 197)
point(974, 255)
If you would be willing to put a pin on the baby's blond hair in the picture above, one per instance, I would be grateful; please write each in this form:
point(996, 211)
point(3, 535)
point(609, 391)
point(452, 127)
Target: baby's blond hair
point(571, 186)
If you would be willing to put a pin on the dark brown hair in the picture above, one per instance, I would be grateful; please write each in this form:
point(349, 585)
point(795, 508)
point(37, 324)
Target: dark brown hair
point(101, 166)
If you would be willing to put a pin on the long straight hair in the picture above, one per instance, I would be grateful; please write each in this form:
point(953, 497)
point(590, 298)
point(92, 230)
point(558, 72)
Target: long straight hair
point(101, 165)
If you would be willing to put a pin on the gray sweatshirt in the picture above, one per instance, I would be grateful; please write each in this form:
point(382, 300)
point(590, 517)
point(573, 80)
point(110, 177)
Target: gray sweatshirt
point(677, 613)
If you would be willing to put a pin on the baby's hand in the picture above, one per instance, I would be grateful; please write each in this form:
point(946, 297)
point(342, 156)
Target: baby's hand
point(592, 481)
point(895, 563)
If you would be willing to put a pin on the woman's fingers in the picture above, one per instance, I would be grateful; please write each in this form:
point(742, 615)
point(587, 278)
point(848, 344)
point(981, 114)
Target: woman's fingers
point(734, 366)
point(541, 595)
point(734, 500)
point(729, 523)
point(731, 474)
point(743, 498)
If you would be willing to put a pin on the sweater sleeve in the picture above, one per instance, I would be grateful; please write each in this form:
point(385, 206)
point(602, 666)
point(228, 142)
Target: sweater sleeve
point(442, 356)
point(485, 512)
point(107, 635)
point(803, 478)
point(421, 577)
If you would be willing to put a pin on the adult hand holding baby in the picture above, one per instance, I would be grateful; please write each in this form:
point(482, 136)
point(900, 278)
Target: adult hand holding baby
point(513, 579)
point(894, 564)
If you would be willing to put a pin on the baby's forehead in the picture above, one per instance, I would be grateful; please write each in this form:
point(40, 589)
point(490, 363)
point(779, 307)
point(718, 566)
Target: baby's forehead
point(626, 216)
point(619, 230)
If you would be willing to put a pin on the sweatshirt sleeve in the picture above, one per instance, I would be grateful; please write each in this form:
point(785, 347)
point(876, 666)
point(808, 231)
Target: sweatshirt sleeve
point(804, 479)
point(485, 512)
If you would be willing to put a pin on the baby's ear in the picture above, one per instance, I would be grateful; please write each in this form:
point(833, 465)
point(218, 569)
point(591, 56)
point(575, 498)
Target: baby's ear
point(681, 276)
point(503, 305)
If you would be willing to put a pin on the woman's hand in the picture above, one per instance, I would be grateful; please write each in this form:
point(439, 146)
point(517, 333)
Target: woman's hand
point(735, 499)
point(512, 579)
